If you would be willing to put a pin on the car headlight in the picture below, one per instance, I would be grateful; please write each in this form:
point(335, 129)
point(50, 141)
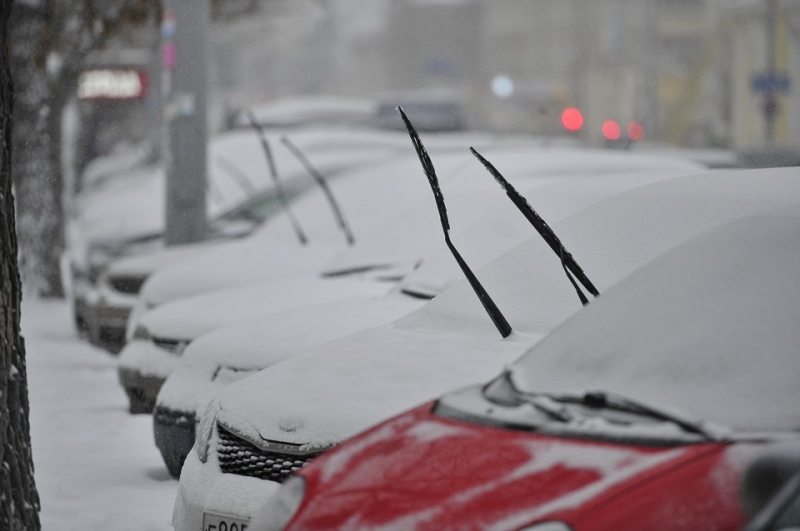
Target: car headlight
point(281, 508)
point(204, 430)
point(548, 526)
point(141, 332)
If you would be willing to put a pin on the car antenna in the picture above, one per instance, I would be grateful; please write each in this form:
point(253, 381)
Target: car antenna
point(491, 308)
point(273, 172)
point(321, 181)
point(567, 261)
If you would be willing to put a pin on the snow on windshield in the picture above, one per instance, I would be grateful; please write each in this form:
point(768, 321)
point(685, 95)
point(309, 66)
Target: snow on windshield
point(710, 329)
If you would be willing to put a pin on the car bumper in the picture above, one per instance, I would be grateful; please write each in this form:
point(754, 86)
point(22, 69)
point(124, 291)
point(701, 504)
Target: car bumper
point(173, 432)
point(204, 488)
point(142, 390)
point(109, 324)
point(143, 369)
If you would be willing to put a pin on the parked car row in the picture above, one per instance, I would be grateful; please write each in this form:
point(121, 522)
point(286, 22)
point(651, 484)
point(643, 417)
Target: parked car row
point(601, 340)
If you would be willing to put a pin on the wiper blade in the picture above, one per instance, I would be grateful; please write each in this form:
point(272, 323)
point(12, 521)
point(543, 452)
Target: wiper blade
point(569, 263)
point(602, 399)
point(320, 180)
point(508, 395)
point(273, 172)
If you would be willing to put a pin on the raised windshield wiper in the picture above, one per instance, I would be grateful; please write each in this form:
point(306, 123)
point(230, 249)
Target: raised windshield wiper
point(273, 172)
point(497, 317)
point(321, 182)
point(568, 263)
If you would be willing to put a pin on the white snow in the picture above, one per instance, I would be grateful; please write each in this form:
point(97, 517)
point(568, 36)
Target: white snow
point(96, 466)
point(234, 352)
point(733, 296)
point(338, 389)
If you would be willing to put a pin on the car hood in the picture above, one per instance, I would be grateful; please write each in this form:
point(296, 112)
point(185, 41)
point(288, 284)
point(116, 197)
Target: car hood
point(234, 352)
point(187, 319)
point(144, 265)
point(419, 471)
point(232, 264)
point(326, 395)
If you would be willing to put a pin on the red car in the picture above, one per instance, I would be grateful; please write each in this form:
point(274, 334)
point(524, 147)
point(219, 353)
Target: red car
point(569, 437)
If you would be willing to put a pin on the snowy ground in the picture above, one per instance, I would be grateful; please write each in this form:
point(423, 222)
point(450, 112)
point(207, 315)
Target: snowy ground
point(96, 466)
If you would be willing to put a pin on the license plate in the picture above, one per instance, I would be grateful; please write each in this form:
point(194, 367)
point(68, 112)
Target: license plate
point(221, 522)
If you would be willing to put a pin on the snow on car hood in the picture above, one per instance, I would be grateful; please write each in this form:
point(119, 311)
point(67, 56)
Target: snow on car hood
point(327, 394)
point(144, 265)
point(468, 189)
point(368, 198)
point(494, 234)
point(232, 264)
point(733, 294)
point(188, 318)
point(609, 240)
point(234, 352)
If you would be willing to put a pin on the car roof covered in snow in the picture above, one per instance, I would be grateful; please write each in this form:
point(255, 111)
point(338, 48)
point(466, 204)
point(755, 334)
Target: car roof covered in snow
point(710, 328)
point(450, 342)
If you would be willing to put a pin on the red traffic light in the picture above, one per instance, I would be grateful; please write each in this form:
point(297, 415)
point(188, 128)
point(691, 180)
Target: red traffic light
point(635, 131)
point(611, 130)
point(572, 119)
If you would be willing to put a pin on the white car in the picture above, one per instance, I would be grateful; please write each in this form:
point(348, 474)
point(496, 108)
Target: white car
point(283, 416)
point(268, 258)
point(233, 352)
point(124, 215)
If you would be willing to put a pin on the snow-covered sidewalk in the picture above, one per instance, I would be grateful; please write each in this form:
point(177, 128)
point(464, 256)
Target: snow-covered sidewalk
point(97, 467)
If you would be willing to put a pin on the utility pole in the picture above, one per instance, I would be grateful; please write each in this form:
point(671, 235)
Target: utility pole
point(771, 95)
point(184, 29)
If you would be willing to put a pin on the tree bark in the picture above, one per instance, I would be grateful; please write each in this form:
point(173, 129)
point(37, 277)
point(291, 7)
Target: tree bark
point(37, 176)
point(19, 500)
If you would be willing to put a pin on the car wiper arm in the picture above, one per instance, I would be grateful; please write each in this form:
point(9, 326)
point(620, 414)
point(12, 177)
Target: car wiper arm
point(497, 317)
point(569, 263)
point(323, 184)
point(273, 171)
point(601, 399)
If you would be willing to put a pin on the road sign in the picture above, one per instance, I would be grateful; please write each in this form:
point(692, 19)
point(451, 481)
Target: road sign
point(772, 83)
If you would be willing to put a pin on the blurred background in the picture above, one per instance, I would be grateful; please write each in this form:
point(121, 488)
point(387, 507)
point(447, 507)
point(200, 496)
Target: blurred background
point(699, 73)
point(126, 86)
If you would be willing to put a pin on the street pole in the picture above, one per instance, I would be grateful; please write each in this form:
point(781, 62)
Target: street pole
point(184, 29)
point(771, 96)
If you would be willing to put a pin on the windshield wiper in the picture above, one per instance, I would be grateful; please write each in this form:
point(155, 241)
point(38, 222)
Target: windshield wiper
point(508, 394)
point(320, 180)
point(273, 172)
point(568, 263)
point(605, 399)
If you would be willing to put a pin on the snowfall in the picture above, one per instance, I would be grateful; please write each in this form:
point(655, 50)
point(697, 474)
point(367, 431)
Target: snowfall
point(97, 467)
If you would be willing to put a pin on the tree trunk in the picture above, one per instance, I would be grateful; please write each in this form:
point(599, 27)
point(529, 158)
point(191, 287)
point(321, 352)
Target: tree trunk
point(19, 502)
point(37, 177)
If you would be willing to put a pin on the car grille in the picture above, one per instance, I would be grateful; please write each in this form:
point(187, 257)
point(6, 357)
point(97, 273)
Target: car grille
point(126, 284)
point(237, 456)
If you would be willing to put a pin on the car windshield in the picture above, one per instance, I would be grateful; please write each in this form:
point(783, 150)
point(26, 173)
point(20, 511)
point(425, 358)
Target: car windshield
point(709, 328)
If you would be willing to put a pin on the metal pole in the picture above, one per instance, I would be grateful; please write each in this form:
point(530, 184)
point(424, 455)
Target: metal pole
point(184, 30)
point(771, 96)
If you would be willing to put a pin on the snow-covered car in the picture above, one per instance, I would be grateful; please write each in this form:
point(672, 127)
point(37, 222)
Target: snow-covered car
point(231, 353)
point(286, 415)
point(124, 215)
point(179, 312)
point(641, 412)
